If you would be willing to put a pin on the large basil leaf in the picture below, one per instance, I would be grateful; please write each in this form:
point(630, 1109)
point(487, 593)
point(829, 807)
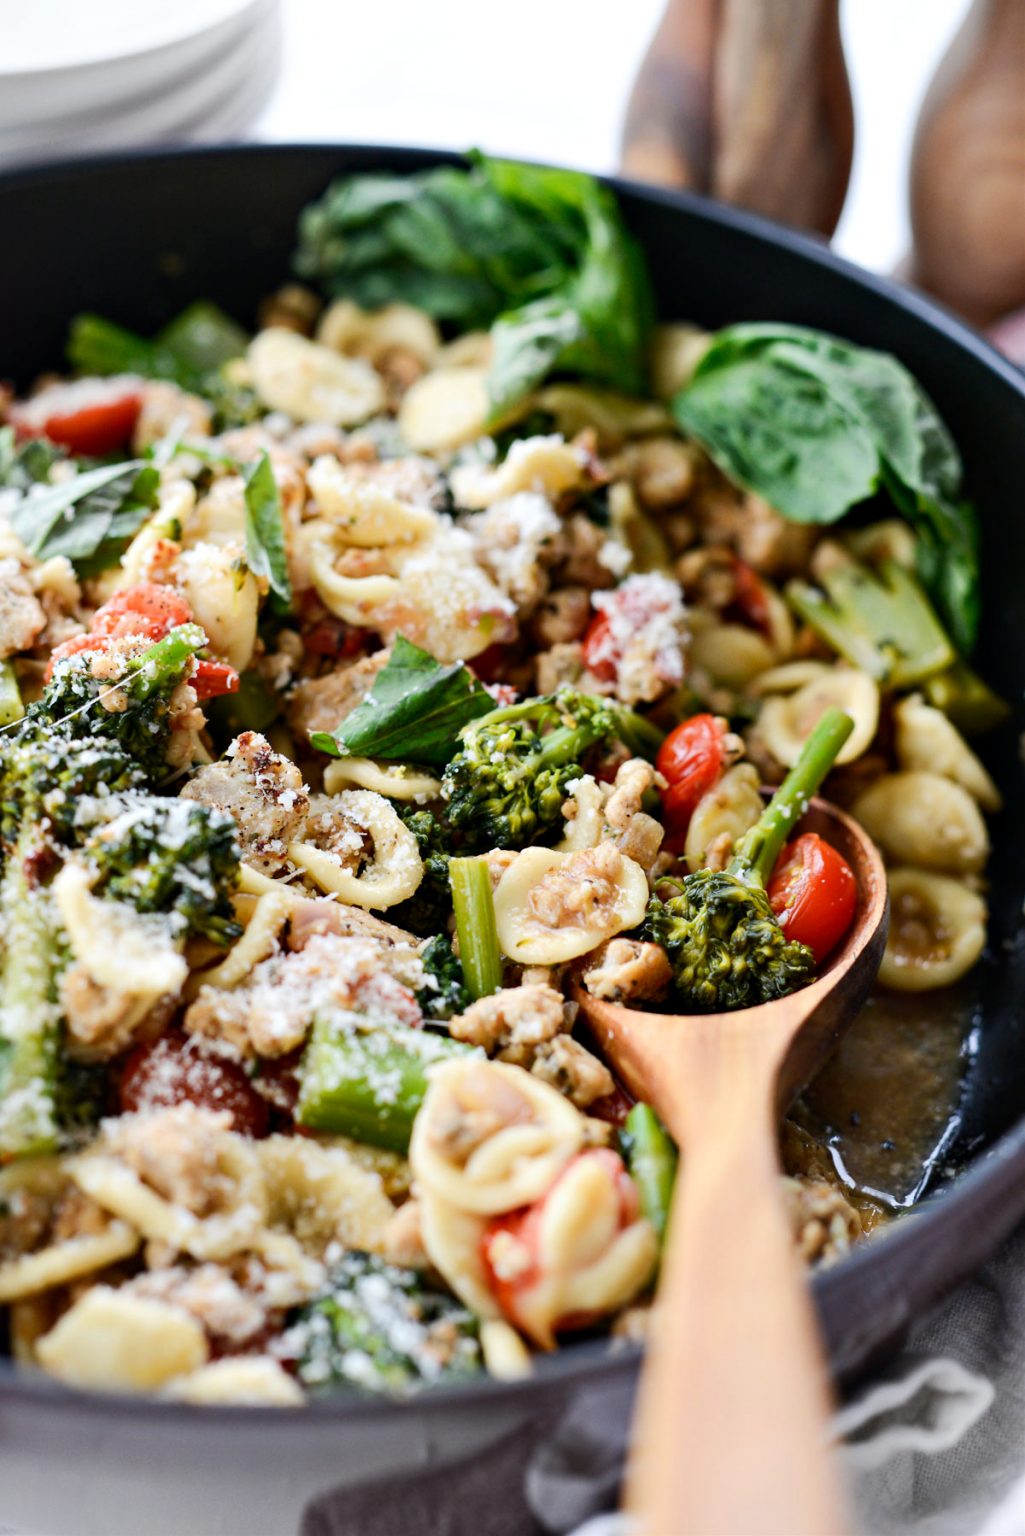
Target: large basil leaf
point(414, 712)
point(265, 528)
point(89, 517)
point(817, 425)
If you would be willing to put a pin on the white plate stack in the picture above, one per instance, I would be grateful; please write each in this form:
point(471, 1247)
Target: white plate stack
point(86, 76)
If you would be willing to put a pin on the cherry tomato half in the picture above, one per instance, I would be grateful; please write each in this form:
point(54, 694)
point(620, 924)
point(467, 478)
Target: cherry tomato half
point(89, 417)
point(601, 654)
point(510, 1244)
point(690, 760)
point(211, 679)
point(813, 893)
point(145, 609)
point(173, 1070)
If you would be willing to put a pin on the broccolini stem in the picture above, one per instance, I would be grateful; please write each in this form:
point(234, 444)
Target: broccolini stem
point(651, 1158)
point(166, 659)
point(366, 1080)
point(759, 849)
point(11, 707)
point(28, 1015)
point(479, 954)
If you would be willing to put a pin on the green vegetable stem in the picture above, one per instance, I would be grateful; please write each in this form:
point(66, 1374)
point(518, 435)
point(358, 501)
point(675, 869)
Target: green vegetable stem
point(652, 1158)
point(367, 1080)
point(474, 907)
point(11, 707)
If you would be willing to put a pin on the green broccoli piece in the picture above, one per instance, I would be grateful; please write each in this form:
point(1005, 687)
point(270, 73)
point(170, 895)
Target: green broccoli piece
point(878, 619)
point(382, 1329)
point(427, 911)
point(29, 1017)
point(445, 994)
point(166, 855)
point(145, 682)
point(506, 785)
point(726, 948)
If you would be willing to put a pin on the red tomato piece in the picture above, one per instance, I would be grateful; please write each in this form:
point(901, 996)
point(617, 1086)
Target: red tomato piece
point(509, 1282)
point(145, 609)
point(333, 637)
point(173, 1070)
point(75, 647)
point(89, 417)
point(813, 893)
point(601, 654)
point(211, 679)
point(749, 596)
point(691, 761)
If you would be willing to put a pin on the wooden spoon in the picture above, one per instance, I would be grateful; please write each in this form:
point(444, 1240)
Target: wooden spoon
point(730, 1431)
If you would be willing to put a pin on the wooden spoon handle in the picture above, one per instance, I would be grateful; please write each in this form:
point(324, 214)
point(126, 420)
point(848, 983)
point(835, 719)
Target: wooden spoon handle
point(730, 1435)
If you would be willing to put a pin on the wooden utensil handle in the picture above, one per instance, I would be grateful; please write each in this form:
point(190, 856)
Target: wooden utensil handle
point(729, 1438)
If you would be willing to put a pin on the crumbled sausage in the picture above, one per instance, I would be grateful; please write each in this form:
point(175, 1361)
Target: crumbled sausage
point(100, 1022)
point(322, 703)
point(565, 1064)
point(661, 470)
point(562, 616)
point(166, 408)
point(208, 1293)
point(265, 794)
point(21, 614)
point(823, 1221)
point(628, 970)
point(637, 835)
point(178, 1152)
point(511, 1024)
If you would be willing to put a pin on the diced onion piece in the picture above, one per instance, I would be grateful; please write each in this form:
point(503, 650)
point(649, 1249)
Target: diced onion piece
point(937, 931)
point(786, 723)
point(542, 908)
point(310, 382)
point(923, 819)
point(445, 409)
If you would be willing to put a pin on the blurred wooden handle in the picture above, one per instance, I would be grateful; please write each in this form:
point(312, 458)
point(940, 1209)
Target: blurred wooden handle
point(749, 102)
point(729, 1438)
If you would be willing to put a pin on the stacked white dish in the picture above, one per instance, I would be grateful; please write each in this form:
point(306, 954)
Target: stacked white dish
point(118, 74)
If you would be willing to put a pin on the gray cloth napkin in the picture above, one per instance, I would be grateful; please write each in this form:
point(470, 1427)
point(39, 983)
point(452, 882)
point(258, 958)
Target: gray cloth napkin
point(935, 1446)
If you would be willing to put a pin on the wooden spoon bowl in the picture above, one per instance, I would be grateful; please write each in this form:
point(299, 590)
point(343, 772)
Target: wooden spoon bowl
point(729, 1438)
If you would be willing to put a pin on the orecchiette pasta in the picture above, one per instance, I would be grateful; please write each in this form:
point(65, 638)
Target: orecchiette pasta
point(251, 1380)
point(311, 382)
point(922, 819)
point(394, 870)
point(364, 513)
point(614, 418)
point(723, 815)
point(322, 1195)
point(785, 723)
point(446, 408)
point(396, 781)
point(551, 907)
point(676, 351)
point(375, 332)
point(224, 597)
point(120, 949)
point(926, 739)
point(546, 464)
point(66, 1261)
point(937, 931)
point(731, 654)
point(111, 1342)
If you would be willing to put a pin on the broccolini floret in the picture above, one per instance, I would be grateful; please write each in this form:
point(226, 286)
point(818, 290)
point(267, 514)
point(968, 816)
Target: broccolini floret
point(726, 948)
point(382, 1329)
point(506, 785)
point(444, 994)
point(166, 855)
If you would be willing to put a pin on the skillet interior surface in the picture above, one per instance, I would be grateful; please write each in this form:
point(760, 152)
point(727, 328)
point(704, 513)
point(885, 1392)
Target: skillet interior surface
point(137, 238)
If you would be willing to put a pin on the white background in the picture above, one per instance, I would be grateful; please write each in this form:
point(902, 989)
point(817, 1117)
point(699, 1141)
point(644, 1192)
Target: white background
point(549, 80)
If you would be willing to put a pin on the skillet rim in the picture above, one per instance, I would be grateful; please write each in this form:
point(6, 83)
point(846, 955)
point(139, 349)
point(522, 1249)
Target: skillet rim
point(998, 1173)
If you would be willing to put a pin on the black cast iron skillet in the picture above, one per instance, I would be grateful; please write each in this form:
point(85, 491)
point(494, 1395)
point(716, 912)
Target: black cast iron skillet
point(136, 238)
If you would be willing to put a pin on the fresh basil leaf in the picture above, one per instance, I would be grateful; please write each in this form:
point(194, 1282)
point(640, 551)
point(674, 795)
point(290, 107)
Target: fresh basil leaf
point(196, 343)
point(265, 528)
point(27, 464)
point(414, 712)
point(89, 517)
point(817, 426)
point(539, 254)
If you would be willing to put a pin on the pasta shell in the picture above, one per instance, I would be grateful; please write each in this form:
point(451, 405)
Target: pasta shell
point(923, 819)
point(490, 1137)
point(727, 810)
point(614, 417)
point(786, 723)
point(112, 1342)
point(310, 382)
point(396, 781)
point(117, 947)
point(225, 600)
point(250, 1380)
point(731, 654)
point(548, 465)
point(363, 513)
point(937, 931)
point(789, 676)
point(321, 1195)
point(352, 598)
point(676, 350)
point(927, 739)
point(445, 409)
point(395, 870)
point(371, 333)
point(551, 907)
